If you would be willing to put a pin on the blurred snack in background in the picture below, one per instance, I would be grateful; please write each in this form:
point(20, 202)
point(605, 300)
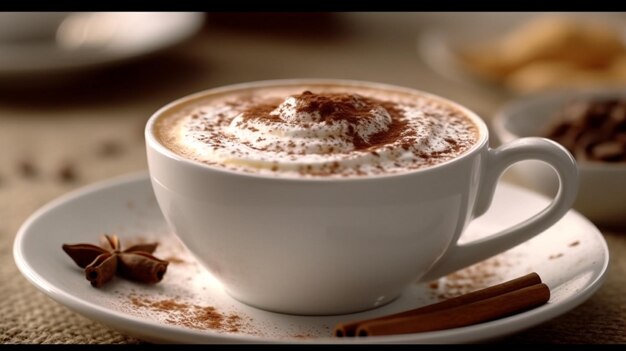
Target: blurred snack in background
point(551, 51)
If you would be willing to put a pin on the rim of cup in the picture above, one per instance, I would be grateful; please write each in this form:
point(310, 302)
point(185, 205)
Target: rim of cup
point(153, 142)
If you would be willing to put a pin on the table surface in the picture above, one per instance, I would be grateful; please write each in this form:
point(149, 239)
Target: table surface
point(93, 123)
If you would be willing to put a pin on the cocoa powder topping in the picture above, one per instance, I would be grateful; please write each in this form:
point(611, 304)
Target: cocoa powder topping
point(327, 132)
point(191, 315)
point(329, 108)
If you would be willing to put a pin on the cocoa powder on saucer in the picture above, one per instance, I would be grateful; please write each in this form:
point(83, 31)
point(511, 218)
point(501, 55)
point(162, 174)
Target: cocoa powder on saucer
point(478, 276)
point(192, 315)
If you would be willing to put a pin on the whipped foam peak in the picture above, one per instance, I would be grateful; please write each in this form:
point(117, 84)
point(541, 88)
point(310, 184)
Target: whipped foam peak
point(323, 134)
point(312, 124)
point(359, 117)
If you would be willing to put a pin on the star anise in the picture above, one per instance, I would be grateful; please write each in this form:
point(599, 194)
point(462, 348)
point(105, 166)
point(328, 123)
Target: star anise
point(101, 264)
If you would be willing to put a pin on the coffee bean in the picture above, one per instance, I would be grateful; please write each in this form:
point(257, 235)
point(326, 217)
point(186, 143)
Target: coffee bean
point(109, 148)
point(67, 173)
point(592, 130)
point(27, 169)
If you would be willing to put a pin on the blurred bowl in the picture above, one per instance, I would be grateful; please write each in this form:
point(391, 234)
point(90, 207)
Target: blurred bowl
point(29, 26)
point(602, 192)
point(440, 43)
point(61, 43)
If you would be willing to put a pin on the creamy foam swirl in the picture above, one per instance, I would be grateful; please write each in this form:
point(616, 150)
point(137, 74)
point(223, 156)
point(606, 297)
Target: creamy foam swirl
point(323, 134)
point(311, 124)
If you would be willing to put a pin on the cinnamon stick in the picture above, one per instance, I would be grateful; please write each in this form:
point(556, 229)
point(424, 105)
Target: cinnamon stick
point(472, 313)
point(349, 329)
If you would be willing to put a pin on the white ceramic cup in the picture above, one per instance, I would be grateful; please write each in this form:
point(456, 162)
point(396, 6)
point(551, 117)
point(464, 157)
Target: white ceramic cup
point(334, 246)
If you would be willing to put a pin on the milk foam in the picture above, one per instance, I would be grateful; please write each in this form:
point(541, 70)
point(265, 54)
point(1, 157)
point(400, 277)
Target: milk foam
point(319, 133)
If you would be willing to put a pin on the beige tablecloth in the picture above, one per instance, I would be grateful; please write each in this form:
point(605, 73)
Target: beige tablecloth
point(93, 125)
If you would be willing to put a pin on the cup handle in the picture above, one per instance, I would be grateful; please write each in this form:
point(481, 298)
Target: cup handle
point(497, 161)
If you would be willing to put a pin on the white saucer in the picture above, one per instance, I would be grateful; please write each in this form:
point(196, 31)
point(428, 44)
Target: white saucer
point(571, 257)
point(90, 39)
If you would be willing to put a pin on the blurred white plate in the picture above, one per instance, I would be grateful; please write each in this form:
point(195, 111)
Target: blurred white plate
point(439, 43)
point(571, 257)
point(69, 41)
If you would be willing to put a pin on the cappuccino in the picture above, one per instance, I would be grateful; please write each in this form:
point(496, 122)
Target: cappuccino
point(318, 131)
point(327, 196)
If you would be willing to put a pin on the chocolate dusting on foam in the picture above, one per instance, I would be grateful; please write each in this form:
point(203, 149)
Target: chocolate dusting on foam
point(323, 134)
point(397, 129)
point(262, 112)
point(331, 108)
point(336, 107)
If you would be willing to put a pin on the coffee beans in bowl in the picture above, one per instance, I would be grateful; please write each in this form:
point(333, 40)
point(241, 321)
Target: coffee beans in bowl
point(591, 124)
point(592, 130)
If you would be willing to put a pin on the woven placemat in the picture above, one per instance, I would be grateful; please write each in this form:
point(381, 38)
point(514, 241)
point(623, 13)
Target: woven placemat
point(82, 149)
